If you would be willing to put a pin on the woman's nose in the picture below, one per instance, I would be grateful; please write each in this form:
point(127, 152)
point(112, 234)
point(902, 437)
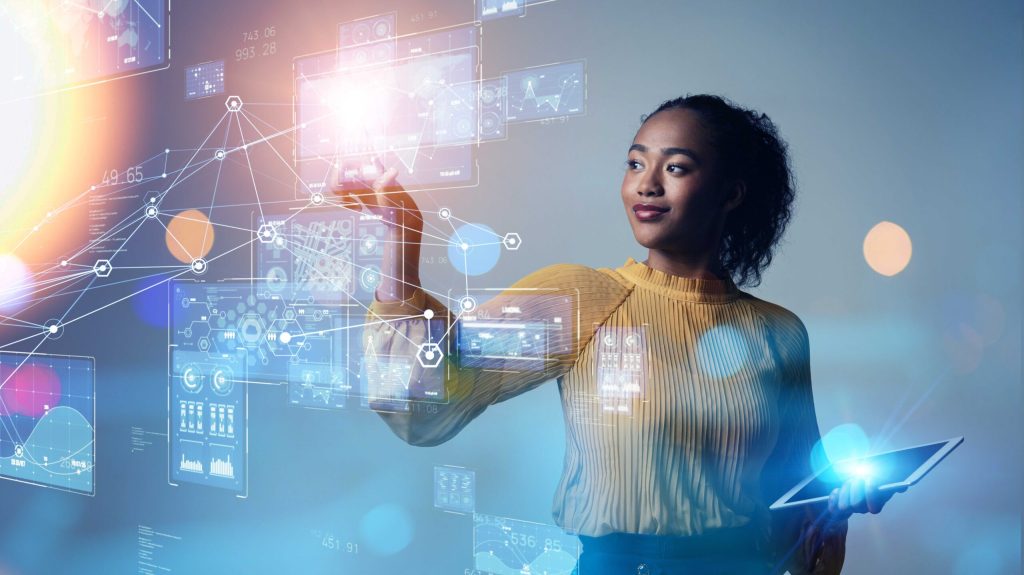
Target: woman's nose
point(649, 187)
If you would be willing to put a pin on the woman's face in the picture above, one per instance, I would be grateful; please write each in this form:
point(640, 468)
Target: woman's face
point(673, 192)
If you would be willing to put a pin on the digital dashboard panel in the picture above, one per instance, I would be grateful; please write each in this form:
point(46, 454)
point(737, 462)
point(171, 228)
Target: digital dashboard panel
point(47, 420)
point(61, 44)
point(517, 330)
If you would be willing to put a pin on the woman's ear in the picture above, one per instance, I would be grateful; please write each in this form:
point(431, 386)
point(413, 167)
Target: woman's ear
point(738, 191)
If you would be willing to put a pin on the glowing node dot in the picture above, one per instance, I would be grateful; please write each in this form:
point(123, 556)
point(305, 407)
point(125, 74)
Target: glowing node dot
point(428, 313)
point(64, 263)
point(429, 355)
point(465, 246)
point(53, 328)
point(285, 337)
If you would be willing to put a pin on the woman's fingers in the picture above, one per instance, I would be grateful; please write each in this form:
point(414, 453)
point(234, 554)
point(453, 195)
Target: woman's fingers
point(875, 498)
point(858, 504)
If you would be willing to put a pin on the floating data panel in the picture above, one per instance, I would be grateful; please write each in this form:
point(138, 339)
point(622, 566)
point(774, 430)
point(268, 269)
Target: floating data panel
point(517, 330)
point(208, 395)
point(264, 335)
point(504, 546)
point(204, 80)
point(547, 92)
point(415, 108)
point(59, 44)
point(621, 367)
point(331, 255)
point(494, 9)
point(493, 109)
point(396, 382)
point(454, 489)
point(47, 420)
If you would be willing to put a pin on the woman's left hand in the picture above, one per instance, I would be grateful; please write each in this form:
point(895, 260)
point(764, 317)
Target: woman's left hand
point(858, 495)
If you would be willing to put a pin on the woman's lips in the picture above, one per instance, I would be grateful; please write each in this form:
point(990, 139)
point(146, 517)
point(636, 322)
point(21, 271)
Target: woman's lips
point(648, 212)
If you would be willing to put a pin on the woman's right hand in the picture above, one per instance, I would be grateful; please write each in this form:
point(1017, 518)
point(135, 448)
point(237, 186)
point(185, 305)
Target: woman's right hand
point(386, 198)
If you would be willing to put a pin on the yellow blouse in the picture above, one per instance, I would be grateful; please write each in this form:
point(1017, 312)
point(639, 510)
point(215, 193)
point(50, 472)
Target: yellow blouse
point(687, 405)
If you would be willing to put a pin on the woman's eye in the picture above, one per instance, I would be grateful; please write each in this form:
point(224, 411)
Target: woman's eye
point(633, 164)
point(677, 169)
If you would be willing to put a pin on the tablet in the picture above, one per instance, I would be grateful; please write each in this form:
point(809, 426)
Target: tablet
point(889, 470)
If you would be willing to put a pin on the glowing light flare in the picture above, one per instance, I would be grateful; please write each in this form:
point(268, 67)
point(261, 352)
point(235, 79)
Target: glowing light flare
point(887, 248)
point(842, 443)
point(855, 468)
point(360, 104)
point(15, 284)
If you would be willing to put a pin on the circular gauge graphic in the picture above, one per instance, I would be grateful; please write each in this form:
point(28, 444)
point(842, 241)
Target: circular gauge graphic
point(382, 30)
point(361, 33)
point(368, 245)
point(369, 279)
point(463, 127)
point(490, 124)
point(192, 379)
point(383, 52)
point(222, 381)
point(277, 278)
point(488, 95)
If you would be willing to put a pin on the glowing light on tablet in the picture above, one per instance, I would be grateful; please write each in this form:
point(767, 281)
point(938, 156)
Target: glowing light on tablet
point(843, 442)
point(859, 469)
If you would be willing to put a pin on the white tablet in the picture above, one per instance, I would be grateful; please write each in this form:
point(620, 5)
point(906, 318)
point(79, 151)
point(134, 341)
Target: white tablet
point(889, 470)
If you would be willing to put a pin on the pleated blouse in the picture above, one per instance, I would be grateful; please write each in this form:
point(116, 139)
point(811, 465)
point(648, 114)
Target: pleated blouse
point(687, 405)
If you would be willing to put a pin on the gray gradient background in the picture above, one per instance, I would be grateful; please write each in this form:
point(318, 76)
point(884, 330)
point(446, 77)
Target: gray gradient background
point(907, 111)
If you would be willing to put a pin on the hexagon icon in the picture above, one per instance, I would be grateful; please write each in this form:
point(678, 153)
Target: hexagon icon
point(429, 355)
point(285, 337)
point(250, 330)
point(233, 103)
point(267, 233)
point(512, 241)
point(102, 268)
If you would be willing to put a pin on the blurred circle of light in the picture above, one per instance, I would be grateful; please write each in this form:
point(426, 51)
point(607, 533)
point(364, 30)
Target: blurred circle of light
point(846, 441)
point(30, 390)
point(189, 236)
point(722, 351)
point(150, 303)
point(887, 248)
point(474, 249)
point(15, 284)
point(386, 529)
point(981, 558)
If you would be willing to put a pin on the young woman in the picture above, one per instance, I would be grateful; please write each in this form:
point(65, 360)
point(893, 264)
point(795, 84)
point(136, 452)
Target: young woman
point(724, 423)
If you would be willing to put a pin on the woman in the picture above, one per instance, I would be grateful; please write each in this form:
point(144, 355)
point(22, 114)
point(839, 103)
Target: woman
point(724, 423)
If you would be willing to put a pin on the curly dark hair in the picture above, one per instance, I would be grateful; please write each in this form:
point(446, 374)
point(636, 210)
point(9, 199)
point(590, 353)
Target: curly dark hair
point(752, 150)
